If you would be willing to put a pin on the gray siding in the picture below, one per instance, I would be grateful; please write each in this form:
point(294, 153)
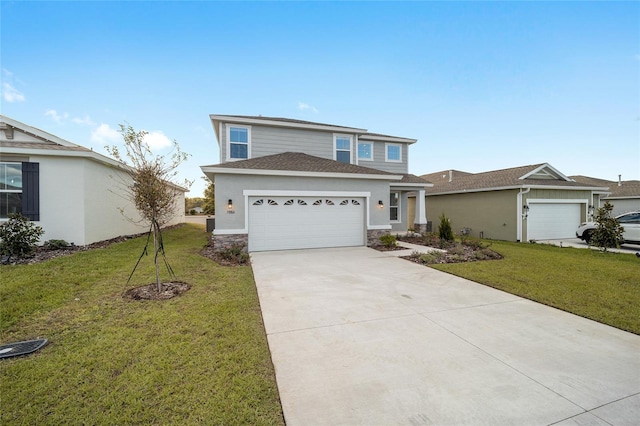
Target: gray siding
point(274, 140)
point(379, 156)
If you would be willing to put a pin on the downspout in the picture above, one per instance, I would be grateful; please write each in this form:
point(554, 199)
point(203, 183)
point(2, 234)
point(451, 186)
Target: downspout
point(519, 214)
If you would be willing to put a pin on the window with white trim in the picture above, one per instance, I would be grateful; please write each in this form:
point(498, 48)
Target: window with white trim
point(393, 152)
point(238, 142)
point(10, 189)
point(342, 148)
point(365, 151)
point(394, 207)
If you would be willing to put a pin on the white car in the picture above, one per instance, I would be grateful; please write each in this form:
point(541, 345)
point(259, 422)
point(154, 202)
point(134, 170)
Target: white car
point(630, 223)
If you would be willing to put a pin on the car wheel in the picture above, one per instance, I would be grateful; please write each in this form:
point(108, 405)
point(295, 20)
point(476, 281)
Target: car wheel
point(586, 236)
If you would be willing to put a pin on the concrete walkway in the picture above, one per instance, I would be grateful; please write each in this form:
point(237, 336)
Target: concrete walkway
point(360, 337)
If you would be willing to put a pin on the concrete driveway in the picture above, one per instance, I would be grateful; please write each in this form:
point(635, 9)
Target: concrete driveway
point(360, 337)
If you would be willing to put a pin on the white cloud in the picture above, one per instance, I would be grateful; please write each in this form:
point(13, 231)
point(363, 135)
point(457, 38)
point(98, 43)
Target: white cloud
point(11, 94)
point(105, 134)
point(85, 120)
point(306, 107)
point(157, 140)
point(58, 118)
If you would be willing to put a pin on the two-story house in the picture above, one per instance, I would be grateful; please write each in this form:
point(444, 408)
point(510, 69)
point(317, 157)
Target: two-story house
point(288, 184)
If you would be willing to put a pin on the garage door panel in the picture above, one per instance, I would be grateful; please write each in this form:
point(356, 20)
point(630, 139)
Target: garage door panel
point(547, 221)
point(280, 223)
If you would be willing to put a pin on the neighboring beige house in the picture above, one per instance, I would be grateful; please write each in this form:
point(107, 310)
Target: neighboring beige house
point(287, 184)
point(535, 202)
point(623, 194)
point(73, 193)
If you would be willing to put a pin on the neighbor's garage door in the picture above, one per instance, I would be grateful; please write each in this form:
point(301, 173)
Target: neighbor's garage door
point(547, 221)
point(283, 223)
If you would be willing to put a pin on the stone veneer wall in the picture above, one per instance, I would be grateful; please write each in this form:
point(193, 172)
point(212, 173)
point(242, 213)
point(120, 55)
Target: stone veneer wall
point(373, 236)
point(420, 228)
point(223, 241)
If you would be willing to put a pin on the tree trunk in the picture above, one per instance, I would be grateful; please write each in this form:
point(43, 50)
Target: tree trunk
point(156, 249)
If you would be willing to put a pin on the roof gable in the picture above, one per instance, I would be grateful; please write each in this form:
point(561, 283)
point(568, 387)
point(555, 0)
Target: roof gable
point(515, 177)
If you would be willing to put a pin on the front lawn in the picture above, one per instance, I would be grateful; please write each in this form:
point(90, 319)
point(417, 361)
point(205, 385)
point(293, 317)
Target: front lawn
point(201, 358)
point(601, 286)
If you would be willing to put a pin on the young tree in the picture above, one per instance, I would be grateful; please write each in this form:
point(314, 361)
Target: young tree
point(608, 233)
point(152, 188)
point(444, 230)
point(209, 205)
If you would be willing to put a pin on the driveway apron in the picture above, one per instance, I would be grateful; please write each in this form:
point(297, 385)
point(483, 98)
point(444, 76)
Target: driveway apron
point(361, 337)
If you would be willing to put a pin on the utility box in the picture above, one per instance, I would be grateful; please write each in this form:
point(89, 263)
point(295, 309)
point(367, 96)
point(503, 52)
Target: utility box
point(211, 224)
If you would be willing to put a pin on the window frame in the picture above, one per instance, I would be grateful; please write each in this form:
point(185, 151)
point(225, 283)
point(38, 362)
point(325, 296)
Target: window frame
point(371, 150)
point(396, 207)
point(229, 142)
point(337, 136)
point(386, 152)
point(20, 191)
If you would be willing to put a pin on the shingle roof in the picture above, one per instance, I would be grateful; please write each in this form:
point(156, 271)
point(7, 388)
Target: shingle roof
point(42, 145)
point(298, 161)
point(408, 178)
point(462, 181)
point(627, 188)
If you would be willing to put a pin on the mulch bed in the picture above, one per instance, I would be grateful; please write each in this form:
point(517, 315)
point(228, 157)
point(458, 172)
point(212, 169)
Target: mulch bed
point(218, 257)
point(150, 291)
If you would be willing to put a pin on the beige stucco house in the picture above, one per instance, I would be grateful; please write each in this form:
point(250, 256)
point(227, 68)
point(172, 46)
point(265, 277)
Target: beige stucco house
point(535, 202)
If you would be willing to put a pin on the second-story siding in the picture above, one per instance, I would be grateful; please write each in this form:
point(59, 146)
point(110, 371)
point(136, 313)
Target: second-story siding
point(379, 159)
point(268, 140)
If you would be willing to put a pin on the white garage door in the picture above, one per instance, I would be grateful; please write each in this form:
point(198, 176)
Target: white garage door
point(548, 221)
point(283, 223)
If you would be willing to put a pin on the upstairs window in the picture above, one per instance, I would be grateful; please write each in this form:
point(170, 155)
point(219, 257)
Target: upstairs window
point(342, 148)
point(365, 151)
point(239, 142)
point(393, 152)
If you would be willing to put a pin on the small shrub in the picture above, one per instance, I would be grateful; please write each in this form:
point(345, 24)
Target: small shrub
point(609, 231)
point(235, 253)
point(19, 236)
point(444, 230)
point(432, 257)
point(457, 250)
point(192, 212)
point(56, 245)
point(388, 240)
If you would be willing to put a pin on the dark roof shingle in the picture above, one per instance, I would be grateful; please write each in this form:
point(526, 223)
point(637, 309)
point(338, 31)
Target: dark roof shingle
point(298, 161)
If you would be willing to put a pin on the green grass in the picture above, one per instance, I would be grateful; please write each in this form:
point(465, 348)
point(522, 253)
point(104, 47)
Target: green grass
point(201, 358)
point(604, 287)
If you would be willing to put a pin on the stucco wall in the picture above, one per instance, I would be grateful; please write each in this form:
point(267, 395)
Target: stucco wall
point(232, 187)
point(491, 213)
point(80, 200)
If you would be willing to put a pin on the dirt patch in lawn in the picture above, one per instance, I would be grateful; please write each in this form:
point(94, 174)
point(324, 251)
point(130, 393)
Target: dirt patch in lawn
point(150, 291)
point(232, 256)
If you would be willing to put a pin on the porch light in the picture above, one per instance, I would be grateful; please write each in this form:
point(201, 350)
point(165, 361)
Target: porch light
point(230, 204)
point(380, 204)
point(525, 211)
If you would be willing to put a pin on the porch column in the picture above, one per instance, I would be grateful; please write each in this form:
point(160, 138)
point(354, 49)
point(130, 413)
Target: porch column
point(420, 224)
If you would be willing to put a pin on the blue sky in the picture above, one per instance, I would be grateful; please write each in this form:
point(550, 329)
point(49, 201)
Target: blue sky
point(481, 85)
